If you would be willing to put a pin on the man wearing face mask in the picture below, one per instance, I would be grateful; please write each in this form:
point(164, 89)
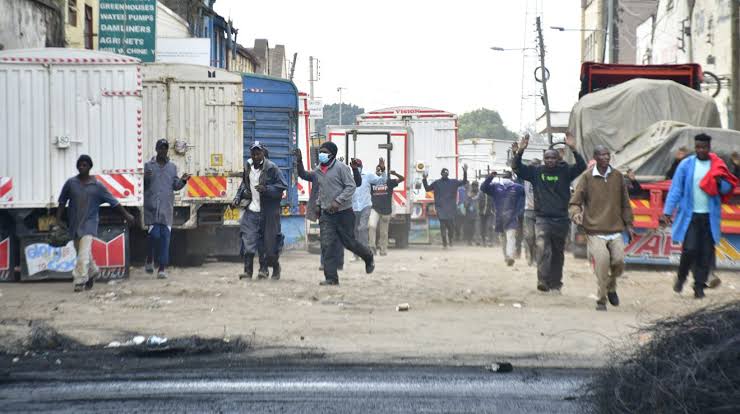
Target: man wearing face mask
point(551, 188)
point(445, 201)
point(261, 191)
point(337, 221)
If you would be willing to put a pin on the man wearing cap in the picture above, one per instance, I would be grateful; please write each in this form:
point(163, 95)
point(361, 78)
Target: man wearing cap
point(337, 221)
point(445, 201)
point(362, 199)
point(160, 183)
point(260, 194)
point(85, 195)
point(701, 184)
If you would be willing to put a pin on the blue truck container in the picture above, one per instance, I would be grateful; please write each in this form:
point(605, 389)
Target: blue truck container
point(271, 117)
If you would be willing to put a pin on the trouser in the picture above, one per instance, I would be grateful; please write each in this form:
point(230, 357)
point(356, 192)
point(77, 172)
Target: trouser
point(550, 234)
point(529, 236)
point(469, 228)
point(159, 244)
point(338, 246)
point(85, 267)
point(458, 225)
point(251, 229)
point(697, 251)
point(378, 226)
point(519, 236)
point(362, 218)
point(508, 242)
point(486, 228)
point(607, 262)
point(339, 225)
point(447, 229)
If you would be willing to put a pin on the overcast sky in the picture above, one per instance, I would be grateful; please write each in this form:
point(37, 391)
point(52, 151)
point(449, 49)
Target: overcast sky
point(416, 52)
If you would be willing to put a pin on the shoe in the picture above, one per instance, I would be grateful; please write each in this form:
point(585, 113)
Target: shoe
point(245, 276)
point(149, 267)
point(370, 265)
point(699, 294)
point(600, 306)
point(509, 262)
point(263, 274)
point(276, 272)
point(161, 274)
point(713, 282)
point(542, 287)
point(613, 298)
point(89, 284)
point(678, 285)
point(79, 287)
point(329, 283)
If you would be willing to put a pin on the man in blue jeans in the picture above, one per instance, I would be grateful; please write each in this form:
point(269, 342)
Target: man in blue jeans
point(160, 183)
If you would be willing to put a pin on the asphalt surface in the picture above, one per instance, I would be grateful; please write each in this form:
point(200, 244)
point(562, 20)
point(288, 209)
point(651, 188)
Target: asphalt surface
point(302, 389)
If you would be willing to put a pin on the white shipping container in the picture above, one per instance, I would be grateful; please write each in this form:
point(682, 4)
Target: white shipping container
point(198, 110)
point(56, 104)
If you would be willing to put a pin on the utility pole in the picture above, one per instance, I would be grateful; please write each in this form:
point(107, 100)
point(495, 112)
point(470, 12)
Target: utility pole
point(340, 89)
point(735, 81)
point(544, 74)
point(311, 80)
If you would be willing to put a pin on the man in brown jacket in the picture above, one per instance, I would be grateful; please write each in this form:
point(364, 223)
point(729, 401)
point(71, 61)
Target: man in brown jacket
point(601, 205)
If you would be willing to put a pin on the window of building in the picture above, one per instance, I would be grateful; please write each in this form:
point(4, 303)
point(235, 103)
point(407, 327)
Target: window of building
point(72, 12)
point(88, 27)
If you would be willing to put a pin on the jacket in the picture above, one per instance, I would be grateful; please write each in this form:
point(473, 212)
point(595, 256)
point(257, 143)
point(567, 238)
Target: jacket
point(336, 184)
point(160, 184)
point(680, 200)
point(718, 170)
point(509, 199)
point(274, 182)
point(445, 195)
point(551, 187)
point(605, 204)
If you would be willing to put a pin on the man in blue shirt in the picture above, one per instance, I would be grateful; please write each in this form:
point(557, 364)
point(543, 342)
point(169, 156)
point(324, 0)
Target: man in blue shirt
point(698, 214)
point(362, 200)
point(85, 194)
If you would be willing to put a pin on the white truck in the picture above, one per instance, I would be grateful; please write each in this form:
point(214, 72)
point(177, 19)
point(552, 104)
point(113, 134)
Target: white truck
point(56, 105)
point(423, 140)
point(198, 110)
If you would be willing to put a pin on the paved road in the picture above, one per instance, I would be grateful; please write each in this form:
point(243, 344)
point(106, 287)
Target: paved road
point(300, 389)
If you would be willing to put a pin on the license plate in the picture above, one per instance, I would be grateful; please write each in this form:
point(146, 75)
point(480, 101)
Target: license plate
point(232, 215)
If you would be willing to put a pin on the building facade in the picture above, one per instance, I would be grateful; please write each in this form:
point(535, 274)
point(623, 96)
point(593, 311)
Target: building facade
point(597, 45)
point(81, 23)
point(31, 24)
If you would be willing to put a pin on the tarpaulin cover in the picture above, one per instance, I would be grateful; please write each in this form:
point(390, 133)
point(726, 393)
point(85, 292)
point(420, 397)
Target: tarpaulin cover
point(614, 116)
point(651, 153)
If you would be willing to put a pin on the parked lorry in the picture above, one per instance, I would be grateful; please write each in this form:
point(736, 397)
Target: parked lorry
point(57, 105)
point(643, 120)
point(198, 110)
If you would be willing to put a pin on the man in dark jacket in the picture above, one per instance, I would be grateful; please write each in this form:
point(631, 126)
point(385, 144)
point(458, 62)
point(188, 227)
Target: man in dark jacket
point(509, 198)
point(261, 192)
point(551, 188)
point(337, 221)
point(445, 201)
point(160, 183)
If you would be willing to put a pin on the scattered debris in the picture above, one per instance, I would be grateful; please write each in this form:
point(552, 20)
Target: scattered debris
point(45, 338)
point(114, 344)
point(138, 340)
point(500, 367)
point(403, 307)
point(155, 340)
point(517, 305)
point(58, 361)
point(16, 359)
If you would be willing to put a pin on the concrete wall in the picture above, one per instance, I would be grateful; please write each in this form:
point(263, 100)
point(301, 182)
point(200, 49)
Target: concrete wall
point(31, 24)
point(74, 35)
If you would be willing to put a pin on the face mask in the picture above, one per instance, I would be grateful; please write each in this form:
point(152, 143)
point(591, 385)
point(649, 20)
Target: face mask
point(359, 169)
point(323, 157)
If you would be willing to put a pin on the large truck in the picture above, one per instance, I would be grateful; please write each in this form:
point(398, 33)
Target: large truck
point(198, 110)
point(643, 115)
point(57, 105)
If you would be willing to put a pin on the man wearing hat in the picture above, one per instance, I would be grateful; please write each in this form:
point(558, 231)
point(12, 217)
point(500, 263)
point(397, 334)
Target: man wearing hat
point(260, 194)
point(160, 183)
point(337, 221)
point(85, 194)
point(701, 184)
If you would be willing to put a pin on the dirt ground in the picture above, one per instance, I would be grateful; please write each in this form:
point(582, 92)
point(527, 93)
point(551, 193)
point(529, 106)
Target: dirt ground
point(466, 306)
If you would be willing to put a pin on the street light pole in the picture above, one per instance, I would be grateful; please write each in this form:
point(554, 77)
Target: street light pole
point(340, 89)
point(543, 69)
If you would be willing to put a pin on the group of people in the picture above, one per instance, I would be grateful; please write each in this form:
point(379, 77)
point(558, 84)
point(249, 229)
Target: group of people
point(354, 209)
point(595, 197)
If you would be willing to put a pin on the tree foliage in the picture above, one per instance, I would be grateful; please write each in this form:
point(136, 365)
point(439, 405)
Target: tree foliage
point(484, 123)
point(331, 116)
